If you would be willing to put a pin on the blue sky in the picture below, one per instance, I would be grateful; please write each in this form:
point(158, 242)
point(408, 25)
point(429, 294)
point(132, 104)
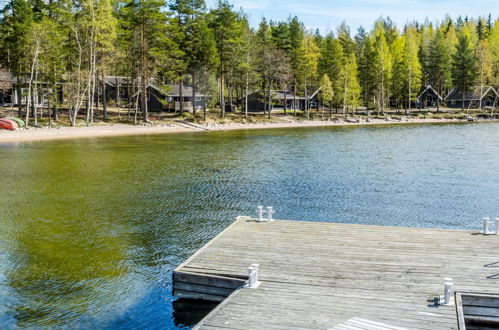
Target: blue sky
point(327, 15)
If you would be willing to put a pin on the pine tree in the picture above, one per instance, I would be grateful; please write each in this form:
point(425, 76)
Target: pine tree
point(16, 20)
point(464, 70)
point(153, 48)
point(330, 63)
point(296, 37)
point(229, 36)
point(106, 26)
point(365, 61)
point(382, 65)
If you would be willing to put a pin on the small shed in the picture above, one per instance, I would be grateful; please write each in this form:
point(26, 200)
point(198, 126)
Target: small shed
point(487, 96)
point(429, 98)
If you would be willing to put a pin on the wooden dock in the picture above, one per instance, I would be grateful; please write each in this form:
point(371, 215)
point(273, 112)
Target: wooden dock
point(337, 276)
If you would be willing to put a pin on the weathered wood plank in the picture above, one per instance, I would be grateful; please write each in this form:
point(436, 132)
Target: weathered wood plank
point(213, 280)
point(320, 275)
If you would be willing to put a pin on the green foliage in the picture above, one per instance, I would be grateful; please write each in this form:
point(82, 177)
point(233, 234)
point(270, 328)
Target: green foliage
point(182, 40)
point(326, 94)
point(464, 69)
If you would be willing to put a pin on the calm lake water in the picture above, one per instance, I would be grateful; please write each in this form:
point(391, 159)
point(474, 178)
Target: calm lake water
point(91, 229)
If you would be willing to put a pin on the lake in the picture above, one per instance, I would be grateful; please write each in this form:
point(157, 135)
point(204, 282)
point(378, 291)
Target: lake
point(91, 229)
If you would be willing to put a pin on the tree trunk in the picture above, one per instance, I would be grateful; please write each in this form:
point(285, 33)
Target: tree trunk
point(130, 90)
point(462, 104)
point(222, 94)
point(181, 95)
point(231, 90)
point(285, 102)
point(104, 97)
point(306, 98)
point(194, 95)
point(270, 100)
point(143, 94)
point(345, 84)
point(35, 58)
point(48, 110)
point(294, 98)
point(19, 101)
point(204, 108)
point(246, 95)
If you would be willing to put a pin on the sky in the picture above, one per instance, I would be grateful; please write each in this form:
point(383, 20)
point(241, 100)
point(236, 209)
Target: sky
point(328, 15)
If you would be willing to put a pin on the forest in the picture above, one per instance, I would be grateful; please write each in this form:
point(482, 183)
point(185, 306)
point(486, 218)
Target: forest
point(73, 45)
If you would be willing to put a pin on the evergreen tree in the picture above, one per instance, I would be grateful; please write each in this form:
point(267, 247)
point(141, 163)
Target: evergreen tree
point(106, 26)
point(382, 65)
point(153, 48)
point(330, 63)
point(296, 37)
point(464, 70)
point(229, 36)
point(365, 59)
point(440, 65)
point(16, 20)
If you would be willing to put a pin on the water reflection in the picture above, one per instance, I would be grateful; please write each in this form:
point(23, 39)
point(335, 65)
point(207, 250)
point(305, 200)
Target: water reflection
point(91, 229)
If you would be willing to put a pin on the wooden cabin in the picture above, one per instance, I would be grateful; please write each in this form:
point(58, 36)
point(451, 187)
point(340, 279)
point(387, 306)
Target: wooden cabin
point(160, 97)
point(279, 99)
point(486, 95)
point(173, 98)
point(41, 91)
point(429, 98)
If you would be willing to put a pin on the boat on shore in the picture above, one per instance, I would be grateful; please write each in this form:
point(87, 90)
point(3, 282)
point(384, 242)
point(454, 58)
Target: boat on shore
point(8, 124)
point(19, 121)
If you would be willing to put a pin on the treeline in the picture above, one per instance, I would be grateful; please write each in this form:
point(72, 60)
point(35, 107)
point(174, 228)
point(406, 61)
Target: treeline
point(218, 53)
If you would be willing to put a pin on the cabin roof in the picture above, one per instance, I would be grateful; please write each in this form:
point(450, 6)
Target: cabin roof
point(172, 90)
point(279, 94)
point(428, 89)
point(477, 93)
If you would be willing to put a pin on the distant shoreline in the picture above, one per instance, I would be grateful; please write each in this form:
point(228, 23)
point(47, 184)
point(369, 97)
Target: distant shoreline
point(62, 133)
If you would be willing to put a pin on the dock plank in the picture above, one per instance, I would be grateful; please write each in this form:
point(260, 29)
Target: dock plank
point(329, 275)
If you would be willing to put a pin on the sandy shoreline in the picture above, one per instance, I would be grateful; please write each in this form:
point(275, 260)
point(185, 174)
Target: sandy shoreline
point(40, 134)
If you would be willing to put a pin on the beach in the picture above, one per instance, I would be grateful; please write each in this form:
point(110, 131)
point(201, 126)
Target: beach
point(64, 132)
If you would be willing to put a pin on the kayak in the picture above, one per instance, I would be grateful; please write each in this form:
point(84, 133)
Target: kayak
point(20, 122)
point(8, 124)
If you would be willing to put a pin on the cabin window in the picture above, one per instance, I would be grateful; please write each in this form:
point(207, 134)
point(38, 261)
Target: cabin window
point(198, 98)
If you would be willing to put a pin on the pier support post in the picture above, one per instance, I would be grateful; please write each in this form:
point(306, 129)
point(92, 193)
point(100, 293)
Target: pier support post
point(270, 211)
point(486, 226)
point(446, 298)
point(253, 276)
point(260, 213)
point(447, 291)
